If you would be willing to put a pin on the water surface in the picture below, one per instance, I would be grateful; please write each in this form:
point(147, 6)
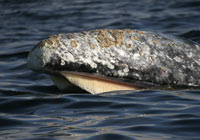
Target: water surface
point(32, 108)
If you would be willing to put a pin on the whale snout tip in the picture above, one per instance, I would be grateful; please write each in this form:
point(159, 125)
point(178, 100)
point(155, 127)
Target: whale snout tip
point(35, 59)
point(43, 53)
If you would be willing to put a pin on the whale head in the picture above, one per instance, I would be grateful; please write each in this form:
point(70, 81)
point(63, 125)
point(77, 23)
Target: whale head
point(111, 59)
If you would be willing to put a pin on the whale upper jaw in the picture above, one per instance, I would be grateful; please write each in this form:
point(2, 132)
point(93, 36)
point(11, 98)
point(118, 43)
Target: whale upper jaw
point(70, 81)
point(145, 59)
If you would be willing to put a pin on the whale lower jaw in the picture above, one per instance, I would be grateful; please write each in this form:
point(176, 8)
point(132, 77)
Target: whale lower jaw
point(70, 81)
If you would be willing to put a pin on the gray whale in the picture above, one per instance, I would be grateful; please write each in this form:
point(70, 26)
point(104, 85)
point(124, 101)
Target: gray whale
point(126, 58)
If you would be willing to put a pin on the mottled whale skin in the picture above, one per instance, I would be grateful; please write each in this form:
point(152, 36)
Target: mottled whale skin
point(142, 58)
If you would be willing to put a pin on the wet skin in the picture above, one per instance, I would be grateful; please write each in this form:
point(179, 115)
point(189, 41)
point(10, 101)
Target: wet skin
point(130, 58)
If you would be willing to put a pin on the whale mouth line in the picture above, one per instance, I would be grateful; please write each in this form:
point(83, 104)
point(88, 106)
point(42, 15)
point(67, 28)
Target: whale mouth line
point(92, 83)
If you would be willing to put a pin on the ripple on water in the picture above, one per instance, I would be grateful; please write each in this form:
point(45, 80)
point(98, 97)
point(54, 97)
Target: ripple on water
point(32, 108)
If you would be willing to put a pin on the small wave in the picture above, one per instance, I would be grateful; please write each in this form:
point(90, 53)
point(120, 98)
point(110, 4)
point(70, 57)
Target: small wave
point(193, 35)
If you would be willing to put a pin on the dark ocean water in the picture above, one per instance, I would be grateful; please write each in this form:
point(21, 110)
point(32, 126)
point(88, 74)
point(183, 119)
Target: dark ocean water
point(32, 108)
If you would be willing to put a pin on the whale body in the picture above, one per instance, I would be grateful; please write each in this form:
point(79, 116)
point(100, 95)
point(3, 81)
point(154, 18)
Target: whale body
point(104, 60)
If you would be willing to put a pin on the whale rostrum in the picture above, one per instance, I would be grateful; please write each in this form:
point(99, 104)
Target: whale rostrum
point(104, 60)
